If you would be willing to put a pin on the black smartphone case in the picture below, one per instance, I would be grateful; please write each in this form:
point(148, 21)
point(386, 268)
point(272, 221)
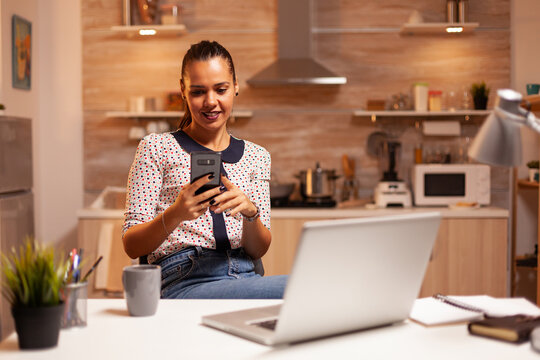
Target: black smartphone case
point(204, 163)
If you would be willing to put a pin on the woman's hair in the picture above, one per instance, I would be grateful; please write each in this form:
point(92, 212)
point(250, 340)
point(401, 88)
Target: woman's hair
point(203, 51)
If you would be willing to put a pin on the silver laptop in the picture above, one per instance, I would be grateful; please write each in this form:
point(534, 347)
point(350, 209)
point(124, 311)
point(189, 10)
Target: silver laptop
point(347, 275)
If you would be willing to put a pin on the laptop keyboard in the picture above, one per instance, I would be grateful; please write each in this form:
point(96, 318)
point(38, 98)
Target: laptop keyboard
point(267, 324)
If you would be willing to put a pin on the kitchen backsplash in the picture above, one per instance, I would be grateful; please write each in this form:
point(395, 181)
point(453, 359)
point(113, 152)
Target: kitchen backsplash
point(299, 125)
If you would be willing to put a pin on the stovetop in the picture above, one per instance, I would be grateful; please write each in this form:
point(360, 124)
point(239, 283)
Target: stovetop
point(311, 203)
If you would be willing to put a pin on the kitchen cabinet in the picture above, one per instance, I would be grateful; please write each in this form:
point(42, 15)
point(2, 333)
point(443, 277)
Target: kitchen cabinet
point(102, 236)
point(469, 256)
point(521, 275)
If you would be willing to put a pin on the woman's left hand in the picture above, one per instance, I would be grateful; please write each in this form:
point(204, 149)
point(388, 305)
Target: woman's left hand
point(232, 201)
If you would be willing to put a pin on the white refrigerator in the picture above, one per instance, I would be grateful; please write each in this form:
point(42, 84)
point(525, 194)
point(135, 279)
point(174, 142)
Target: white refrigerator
point(16, 198)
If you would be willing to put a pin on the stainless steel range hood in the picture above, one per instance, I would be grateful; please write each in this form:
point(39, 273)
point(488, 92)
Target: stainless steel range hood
point(294, 65)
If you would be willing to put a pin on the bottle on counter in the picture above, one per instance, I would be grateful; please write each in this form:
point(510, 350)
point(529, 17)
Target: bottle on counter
point(421, 96)
point(418, 154)
point(435, 100)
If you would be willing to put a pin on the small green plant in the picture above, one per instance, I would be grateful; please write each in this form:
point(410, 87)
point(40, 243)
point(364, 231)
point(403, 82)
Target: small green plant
point(33, 277)
point(480, 95)
point(480, 90)
point(533, 164)
point(2, 107)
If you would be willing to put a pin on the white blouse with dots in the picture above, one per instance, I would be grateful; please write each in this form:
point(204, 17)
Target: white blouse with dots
point(161, 169)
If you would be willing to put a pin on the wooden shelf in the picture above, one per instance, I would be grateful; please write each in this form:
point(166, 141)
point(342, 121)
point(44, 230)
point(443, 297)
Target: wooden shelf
point(534, 101)
point(526, 184)
point(160, 30)
point(466, 114)
point(436, 28)
point(164, 114)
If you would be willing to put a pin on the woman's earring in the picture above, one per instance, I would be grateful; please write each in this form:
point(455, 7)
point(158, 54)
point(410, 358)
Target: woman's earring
point(236, 94)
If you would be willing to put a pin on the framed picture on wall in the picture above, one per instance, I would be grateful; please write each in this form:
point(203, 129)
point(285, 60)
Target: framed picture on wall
point(21, 52)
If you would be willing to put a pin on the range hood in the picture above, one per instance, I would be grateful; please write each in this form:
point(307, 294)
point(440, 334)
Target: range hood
point(294, 65)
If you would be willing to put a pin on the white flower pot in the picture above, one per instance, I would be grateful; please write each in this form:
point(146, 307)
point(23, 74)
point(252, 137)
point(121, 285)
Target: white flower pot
point(533, 175)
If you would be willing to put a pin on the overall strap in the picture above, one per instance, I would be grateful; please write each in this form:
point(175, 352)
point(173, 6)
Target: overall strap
point(232, 154)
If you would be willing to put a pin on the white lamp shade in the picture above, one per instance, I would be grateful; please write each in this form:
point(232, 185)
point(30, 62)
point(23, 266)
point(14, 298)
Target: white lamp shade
point(498, 142)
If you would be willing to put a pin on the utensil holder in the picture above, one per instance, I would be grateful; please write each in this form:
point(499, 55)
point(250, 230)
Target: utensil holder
point(75, 305)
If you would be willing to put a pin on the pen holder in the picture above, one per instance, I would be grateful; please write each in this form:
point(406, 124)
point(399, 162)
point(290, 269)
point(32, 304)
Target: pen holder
point(75, 304)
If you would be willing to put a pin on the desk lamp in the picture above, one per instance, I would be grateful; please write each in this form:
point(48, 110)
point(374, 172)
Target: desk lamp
point(498, 141)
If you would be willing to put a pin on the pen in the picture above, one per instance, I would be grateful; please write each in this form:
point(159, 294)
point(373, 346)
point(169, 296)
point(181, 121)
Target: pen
point(76, 270)
point(92, 269)
point(68, 276)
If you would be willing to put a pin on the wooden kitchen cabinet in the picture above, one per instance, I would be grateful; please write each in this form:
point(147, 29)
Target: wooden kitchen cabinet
point(103, 237)
point(468, 258)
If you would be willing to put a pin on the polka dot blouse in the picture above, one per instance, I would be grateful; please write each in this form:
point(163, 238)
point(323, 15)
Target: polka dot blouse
point(161, 169)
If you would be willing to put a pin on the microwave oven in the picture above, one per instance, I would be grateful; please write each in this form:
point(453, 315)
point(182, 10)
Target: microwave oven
point(447, 184)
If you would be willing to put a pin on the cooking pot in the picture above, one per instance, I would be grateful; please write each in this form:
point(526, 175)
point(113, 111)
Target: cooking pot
point(281, 191)
point(317, 183)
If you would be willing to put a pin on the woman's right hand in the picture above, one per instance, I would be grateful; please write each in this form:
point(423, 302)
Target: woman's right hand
point(189, 206)
point(142, 239)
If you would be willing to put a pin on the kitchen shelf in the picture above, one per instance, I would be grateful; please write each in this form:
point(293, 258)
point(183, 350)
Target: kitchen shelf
point(526, 184)
point(165, 114)
point(161, 30)
point(467, 114)
point(436, 28)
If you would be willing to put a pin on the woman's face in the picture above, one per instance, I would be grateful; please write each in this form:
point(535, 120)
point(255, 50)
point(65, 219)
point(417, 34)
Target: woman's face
point(209, 90)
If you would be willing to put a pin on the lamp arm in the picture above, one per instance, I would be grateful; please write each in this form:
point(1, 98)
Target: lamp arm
point(533, 122)
point(524, 117)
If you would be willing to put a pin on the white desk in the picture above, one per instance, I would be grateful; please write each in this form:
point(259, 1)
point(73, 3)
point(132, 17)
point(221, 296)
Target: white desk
point(175, 332)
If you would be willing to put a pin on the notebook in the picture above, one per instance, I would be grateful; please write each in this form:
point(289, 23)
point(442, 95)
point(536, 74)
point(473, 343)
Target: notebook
point(445, 310)
point(347, 275)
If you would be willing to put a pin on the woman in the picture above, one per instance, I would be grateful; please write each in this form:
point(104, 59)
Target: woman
point(204, 243)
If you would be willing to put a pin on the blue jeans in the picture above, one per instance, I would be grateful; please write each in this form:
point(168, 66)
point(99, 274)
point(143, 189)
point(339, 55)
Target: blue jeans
point(199, 273)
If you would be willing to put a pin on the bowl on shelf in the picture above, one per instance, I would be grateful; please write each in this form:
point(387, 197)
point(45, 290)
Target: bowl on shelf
point(281, 191)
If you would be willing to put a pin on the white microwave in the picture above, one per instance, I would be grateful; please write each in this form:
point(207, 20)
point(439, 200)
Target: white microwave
point(447, 184)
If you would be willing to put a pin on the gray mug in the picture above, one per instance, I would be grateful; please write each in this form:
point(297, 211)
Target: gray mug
point(142, 288)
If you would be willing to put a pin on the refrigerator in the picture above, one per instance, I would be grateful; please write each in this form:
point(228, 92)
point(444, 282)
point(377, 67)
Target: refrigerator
point(16, 197)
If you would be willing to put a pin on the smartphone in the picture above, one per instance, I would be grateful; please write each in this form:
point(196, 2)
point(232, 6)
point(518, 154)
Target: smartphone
point(204, 163)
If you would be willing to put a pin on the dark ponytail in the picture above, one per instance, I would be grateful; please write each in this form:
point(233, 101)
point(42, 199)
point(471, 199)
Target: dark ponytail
point(203, 51)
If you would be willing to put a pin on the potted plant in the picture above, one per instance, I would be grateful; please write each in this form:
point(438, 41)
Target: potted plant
point(480, 95)
point(2, 109)
point(533, 170)
point(33, 278)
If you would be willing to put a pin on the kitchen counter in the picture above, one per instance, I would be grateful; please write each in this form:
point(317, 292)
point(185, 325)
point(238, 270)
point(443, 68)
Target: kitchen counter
point(446, 212)
point(291, 213)
point(470, 254)
point(478, 235)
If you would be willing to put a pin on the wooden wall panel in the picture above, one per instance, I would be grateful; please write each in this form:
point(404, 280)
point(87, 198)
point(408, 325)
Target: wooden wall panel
point(298, 124)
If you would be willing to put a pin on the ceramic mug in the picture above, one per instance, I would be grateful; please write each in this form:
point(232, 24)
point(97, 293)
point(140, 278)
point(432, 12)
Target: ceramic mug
point(533, 89)
point(142, 288)
point(137, 104)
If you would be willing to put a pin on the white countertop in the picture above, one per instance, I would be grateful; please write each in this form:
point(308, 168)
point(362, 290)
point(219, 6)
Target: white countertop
point(325, 213)
point(482, 212)
point(175, 332)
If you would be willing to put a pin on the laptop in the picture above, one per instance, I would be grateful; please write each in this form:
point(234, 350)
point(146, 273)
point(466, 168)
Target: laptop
point(347, 275)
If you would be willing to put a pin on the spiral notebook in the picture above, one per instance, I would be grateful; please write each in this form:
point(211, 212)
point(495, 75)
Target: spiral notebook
point(445, 310)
